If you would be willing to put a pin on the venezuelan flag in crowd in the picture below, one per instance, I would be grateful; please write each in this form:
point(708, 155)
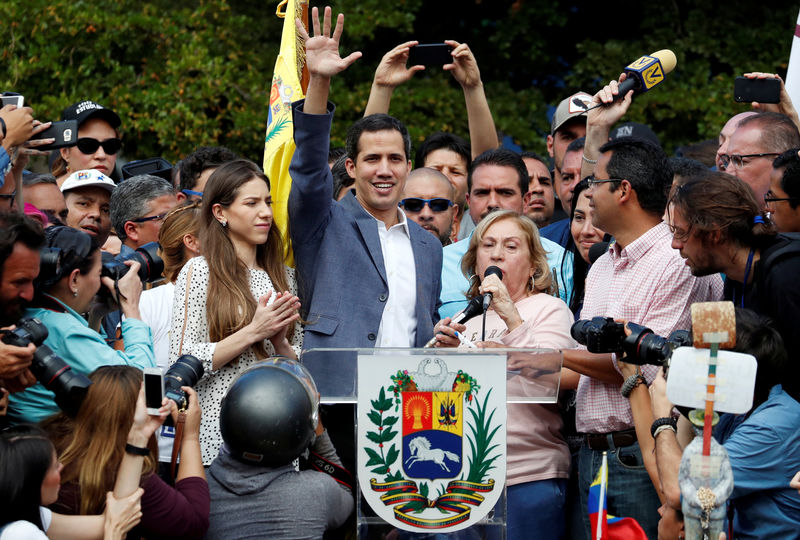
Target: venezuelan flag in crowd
point(288, 85)
point(604, 526)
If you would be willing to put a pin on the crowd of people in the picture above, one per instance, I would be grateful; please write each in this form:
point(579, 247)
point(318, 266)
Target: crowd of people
point(132, 272)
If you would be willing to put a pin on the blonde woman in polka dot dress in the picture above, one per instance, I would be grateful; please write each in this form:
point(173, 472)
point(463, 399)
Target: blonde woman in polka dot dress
point(237, 304)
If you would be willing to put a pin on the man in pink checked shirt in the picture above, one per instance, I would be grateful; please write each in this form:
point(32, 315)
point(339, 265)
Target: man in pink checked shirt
point(640, 279)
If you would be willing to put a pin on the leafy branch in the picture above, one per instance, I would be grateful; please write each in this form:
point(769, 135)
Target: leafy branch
point(480, 443)
point(382, 461)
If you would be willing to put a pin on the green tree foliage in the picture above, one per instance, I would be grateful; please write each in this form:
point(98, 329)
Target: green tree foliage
point(185, 73)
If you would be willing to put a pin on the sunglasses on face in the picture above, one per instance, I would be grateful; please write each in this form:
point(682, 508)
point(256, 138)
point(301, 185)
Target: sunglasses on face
point(87, 145)
point(414, 205)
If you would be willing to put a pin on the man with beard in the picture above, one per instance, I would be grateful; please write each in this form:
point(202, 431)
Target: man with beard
point(428, 200)
point(20, 239)
point(718, 226)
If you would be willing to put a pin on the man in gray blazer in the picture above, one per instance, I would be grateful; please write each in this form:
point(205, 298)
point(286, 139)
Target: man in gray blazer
point(368, 276)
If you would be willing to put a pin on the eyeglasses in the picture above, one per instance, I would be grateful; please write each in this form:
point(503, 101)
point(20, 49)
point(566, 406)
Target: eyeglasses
point(87, 145)
point(414, 205)
point(770, 197)
point(738, 160)
point(159, 217)
point(9, 197)
point(592, 181)
point(189, 193)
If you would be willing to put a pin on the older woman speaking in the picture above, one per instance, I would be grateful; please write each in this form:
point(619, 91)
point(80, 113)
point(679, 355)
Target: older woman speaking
point(523, 314)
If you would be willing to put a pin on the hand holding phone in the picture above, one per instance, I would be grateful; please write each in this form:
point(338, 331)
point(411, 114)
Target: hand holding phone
point(759, 90)
point(153, 390)
point(430, 54)
point(64, 133)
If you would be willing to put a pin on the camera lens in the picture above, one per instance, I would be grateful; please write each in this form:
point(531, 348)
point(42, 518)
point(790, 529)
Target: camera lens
point(151, 266)
point(186, 371)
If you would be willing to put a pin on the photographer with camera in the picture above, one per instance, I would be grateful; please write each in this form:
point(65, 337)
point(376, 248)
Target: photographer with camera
point(65, 288)
point(110, 445)
point(718, 226)
point(138, 207)
point(641, 278)
point(20, 240)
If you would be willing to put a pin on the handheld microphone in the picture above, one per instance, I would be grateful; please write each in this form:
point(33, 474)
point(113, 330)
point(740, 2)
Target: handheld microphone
point(491, 271)
point(473, 309)
point(647, 72)
point(597, 250)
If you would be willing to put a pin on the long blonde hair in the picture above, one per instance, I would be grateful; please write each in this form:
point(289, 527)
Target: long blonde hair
point(233, 306)
point(182, 220)
point(542, 278)
point(99, 433)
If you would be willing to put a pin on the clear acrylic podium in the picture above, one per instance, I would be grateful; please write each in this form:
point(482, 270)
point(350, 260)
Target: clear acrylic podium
point(532, 375)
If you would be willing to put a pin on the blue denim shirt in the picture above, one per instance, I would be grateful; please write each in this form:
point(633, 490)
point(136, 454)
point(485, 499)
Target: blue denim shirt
point(765, 454)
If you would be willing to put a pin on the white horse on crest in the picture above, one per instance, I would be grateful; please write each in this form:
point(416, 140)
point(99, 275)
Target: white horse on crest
point(421, 451)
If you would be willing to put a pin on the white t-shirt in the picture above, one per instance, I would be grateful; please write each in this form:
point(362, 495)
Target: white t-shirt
point(155, 307)
point(25, 530)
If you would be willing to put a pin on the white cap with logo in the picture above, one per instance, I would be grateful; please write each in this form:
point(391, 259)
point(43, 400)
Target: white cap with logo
point(87, 178)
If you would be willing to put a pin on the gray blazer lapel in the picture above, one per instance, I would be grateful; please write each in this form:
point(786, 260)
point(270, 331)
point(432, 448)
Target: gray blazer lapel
point(368, 228)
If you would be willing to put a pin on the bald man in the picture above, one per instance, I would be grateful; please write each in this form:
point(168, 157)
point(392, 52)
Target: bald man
point(726, 132)
point(428, 199)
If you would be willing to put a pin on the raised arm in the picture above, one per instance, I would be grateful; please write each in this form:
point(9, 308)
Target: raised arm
point(391, 73)
point(784, 106)
point(600, 120)
point(322, 59)
point(482, 132)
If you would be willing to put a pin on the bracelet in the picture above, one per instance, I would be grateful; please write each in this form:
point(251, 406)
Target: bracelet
point(659, 423)
point(136, 451)
point(664, 427)
point(587, 160)
point(630, 383)
point(3, 126)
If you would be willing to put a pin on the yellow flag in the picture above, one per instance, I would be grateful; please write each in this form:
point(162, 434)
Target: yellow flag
point(279, 143)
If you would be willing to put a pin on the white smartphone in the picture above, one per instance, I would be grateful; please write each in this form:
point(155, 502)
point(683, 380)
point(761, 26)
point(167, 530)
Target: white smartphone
point(153, 389)
point(13, 100)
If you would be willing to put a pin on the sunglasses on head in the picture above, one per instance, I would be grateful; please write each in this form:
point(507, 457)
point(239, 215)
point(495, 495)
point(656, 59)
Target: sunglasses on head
point(87, 145)
point(414, 204)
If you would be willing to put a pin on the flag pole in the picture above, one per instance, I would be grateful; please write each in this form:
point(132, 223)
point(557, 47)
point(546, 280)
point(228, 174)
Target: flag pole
point(602, 501)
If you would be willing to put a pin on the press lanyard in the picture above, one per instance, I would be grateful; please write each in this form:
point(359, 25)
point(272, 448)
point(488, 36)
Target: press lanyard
point(747, 269)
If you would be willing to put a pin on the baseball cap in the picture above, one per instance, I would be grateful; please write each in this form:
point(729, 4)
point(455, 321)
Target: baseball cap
point(635, 130)
point(84, 110)
point(87, 178)
point(571, 107)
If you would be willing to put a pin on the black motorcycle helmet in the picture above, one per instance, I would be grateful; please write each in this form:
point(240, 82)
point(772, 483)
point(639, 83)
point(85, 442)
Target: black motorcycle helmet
point(270, 413)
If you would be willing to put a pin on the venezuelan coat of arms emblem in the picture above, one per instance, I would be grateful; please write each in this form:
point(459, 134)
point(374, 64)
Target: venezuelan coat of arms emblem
point(432, 440)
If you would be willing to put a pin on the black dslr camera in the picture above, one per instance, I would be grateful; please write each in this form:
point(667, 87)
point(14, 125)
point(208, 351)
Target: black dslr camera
point(186, 371)
point(150, 269)
point(56, 375)
point(604, 335)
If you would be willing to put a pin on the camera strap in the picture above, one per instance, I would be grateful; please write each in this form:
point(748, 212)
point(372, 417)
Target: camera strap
point(176, 444)
point(318, 463)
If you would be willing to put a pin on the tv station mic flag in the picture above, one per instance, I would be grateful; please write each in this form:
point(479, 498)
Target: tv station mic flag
point(289, 83)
